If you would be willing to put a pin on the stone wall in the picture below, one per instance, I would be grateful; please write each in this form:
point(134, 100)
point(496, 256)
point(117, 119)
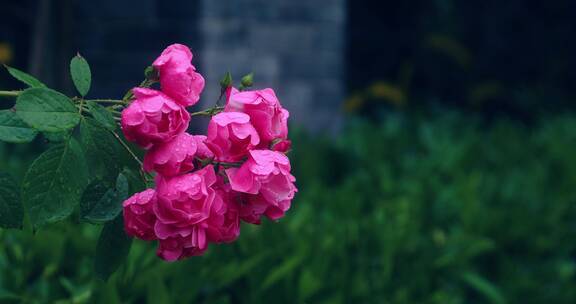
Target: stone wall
point(296, 47)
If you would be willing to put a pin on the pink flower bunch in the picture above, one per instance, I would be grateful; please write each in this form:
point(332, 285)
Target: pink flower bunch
point(205, 185)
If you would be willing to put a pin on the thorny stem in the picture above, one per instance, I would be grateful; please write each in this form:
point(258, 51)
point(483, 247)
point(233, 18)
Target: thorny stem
point(81, 106)
point(227, 164)
point(113, 101)
point(142, 173)
point(210, 161)
point(146, 83)
point(209, 112)
point(9, 93)
point(127, 148)
point(222, 91)
point(115, 108)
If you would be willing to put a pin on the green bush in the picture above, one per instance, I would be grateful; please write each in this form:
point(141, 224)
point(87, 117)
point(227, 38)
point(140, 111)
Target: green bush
point(442, 210)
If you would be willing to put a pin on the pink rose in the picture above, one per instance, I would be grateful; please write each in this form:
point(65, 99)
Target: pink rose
point(229, 92)
point(139, 217)
point(224, 223)
point(230, 136)
point(268, 186)
point(252, 207)
point(184, 206)
point(282, 145)
point(186, 199)
point(265, 111)
point(172, 157)
point(153, 118)
point(178, 77)
point(176, 243)
point(203, 151)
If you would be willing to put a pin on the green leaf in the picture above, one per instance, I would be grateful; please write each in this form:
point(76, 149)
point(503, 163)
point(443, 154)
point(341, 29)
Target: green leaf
point(157, 291)
point(135, 181)
point(25, 78)
point(282, 271)
point(308, 284)
point(9, 296)
point(56, 137)
point(122, 187)
point(112, 248)
point(233, 271)
point(81, 75)
point(102, 115)
point(53, 184)
point(105, 293)
point(11, 211)
point(101, 203)
point(102, 150)
point(13, 129)
point(484, 287)
point(47, 110)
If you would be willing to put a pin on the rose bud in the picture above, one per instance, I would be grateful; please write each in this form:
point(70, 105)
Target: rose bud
point(178, 77)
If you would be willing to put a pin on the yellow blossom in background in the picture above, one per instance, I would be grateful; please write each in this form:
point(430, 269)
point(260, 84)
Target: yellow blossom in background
point(451, 47)
point(353, 103)
point(387, 92)
point(377, 92)
point(482, 92)
point(5, 52)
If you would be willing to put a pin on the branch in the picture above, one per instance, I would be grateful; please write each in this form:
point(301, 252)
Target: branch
point(127, 148)
point(9, 93)
point(209, 112)
point(113, 101)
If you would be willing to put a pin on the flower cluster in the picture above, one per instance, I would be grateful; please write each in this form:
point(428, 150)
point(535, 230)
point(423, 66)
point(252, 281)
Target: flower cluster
point(205, 185)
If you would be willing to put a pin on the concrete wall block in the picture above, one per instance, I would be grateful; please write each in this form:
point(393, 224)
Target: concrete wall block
point(333, 11)
point(109, 10)
point(297, 96)
point(329, 92)
point(267, 70)
point(329, 37)
point(215, 62)
point(282, 39)
point(222, 9)
point(223, 33)
point(296, 47)
point(312, 65)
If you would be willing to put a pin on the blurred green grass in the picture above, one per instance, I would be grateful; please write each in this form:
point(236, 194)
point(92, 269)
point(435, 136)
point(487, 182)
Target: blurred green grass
point(437, 210)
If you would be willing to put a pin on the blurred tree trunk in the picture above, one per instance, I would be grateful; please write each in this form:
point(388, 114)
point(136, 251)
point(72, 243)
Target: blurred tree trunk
point(53, 40)
point(38, 47)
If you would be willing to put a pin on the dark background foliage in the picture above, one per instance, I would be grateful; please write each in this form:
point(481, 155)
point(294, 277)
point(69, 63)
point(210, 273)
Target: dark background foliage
point(499, 57)
point(450, 180)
